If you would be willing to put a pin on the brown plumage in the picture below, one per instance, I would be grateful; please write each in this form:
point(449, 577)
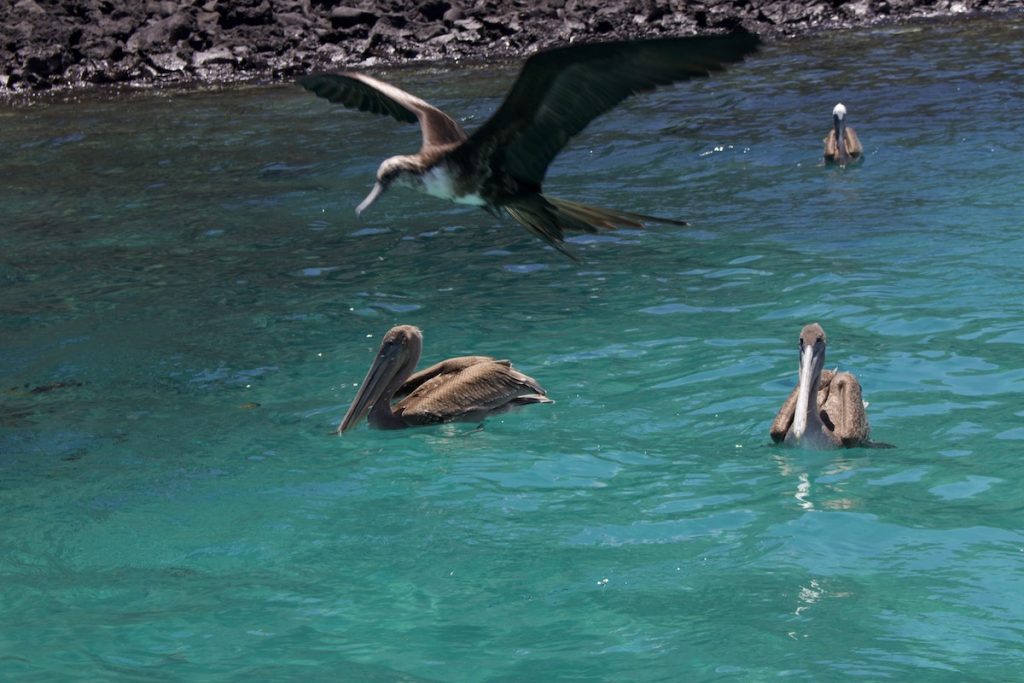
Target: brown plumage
point(462, 389)
point(558, 92)
point(841, 144)
point(832, 413)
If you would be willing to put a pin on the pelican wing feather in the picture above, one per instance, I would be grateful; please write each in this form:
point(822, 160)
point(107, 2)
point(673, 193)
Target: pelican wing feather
point(438, 373)
point(844, 406)
point(477, 390)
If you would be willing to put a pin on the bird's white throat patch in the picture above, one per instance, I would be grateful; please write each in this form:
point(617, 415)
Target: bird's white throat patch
point(437, 182)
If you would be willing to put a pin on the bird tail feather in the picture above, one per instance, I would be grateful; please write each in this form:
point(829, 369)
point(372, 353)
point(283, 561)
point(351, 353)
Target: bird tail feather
point(549, 218)
point(608, 219)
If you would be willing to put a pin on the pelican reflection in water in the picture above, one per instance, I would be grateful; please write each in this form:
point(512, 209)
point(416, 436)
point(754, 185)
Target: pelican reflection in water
point(826, 409)
point(841, 144)
point(558, 92)
point(463, 389)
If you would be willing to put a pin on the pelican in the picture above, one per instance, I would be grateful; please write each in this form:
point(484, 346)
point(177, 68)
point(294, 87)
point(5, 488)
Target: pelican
point(558, 92)
point(841, 144)
point(463, 389)
point(826, 409)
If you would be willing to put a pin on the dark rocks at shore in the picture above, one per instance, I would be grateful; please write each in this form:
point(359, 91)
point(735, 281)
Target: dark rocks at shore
point(49, 44)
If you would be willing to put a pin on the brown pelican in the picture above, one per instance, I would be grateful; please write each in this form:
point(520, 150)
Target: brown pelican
point(463, 389)
point(826, 409)
point(558, 92)
point(841, 143)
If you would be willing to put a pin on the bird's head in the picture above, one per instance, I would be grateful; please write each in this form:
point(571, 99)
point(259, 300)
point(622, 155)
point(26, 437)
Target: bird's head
point(839, 126)
point(400, 170)
point(399, 351)
point(812, 354)
point(812, 345)
point(812, 360)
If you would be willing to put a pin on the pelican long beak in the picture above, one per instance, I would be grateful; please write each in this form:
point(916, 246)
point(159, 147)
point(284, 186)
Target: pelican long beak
point(839, 123)
point(385, 366)
point(807, 385)
point(377, 191)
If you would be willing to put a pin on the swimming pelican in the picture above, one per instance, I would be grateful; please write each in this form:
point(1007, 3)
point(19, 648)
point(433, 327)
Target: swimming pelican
point(826, 409)
point(463, 389)
point(841, 144)
point(558, 92)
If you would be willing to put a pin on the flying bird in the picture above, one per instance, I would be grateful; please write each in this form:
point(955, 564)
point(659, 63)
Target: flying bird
point(462, 389)
point(841, 144)
point(558, 92)
point(825, 410)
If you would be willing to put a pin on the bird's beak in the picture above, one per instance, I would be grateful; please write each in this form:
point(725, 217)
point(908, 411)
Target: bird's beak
point(377, 191)
point(839, 123)
point(385, 366)
point(806, 386)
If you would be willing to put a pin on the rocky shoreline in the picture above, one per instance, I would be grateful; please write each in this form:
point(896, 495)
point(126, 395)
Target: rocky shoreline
point(53, 45)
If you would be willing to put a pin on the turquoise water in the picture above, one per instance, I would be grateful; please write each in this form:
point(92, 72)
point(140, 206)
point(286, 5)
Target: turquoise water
point(187, 302)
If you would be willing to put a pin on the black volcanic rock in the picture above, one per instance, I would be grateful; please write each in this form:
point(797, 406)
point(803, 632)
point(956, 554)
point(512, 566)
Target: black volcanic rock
point(161, 34)
point(249, 12)
point(347, 17)
point(48, 44)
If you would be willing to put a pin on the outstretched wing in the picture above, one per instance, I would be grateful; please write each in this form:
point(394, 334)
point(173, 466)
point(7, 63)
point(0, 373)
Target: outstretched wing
point(560, 91)
point(356, 91)
point(478, 390)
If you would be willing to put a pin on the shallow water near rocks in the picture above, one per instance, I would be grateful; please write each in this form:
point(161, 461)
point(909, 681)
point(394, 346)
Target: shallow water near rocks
point(187, 302)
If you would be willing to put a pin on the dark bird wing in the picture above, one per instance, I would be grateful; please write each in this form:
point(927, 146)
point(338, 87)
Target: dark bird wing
point(560, 91)
point(357, 91)
point(478, 390)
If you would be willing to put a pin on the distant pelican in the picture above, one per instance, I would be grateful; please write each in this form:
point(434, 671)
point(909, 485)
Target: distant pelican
point(841, 143)
point(463, 389)
point(558, 92)
point(826, 409)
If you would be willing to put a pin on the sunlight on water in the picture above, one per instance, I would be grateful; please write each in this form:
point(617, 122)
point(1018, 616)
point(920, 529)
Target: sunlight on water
point(188, 303)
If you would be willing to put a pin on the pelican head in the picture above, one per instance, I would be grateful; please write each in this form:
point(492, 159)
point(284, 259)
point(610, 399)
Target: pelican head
point(398, 354)
point(812, 361)
point(400, 169)
point(839, 124)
